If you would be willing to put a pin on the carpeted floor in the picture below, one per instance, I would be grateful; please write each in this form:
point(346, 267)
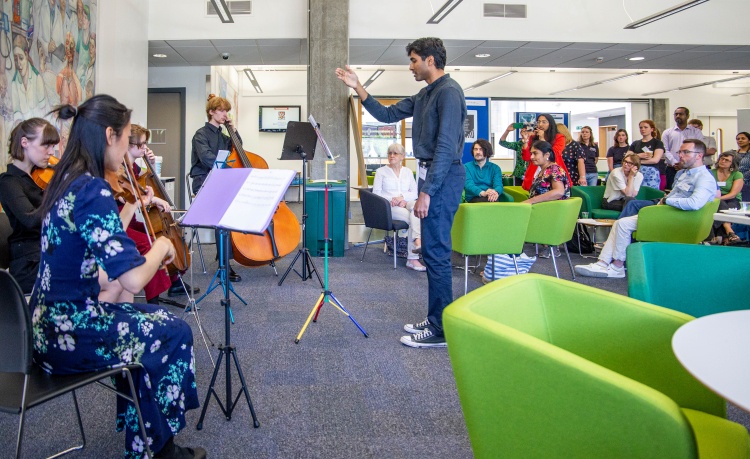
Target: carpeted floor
point(336, 394)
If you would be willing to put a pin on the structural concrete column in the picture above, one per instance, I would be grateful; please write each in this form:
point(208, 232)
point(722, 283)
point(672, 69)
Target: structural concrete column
point(327, 97)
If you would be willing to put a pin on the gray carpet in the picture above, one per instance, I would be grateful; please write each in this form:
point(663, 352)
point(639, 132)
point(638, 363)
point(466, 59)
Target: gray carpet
point(336, 394)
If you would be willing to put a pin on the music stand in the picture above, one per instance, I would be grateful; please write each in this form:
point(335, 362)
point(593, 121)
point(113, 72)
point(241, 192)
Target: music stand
point(327, 295)
point(238, 200)
point(299, 143)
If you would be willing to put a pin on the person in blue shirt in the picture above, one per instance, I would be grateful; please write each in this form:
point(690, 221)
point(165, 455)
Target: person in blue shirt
point(439, 112)
point(694, 187)
point(484, 179)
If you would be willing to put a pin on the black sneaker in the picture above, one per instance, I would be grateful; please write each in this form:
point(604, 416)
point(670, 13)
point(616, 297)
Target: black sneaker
point(416, 328)
point(426, 338)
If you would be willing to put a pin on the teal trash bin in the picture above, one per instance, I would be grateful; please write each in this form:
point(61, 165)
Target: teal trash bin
point(315, 237)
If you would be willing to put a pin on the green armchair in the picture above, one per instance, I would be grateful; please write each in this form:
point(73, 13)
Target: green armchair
point(669, 224)
point(592, 199)
point(548, 368)
point(508, 220)
point(656, 271)
point(517, 193)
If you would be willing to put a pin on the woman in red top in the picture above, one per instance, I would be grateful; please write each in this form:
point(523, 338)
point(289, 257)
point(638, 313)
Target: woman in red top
point(546, 130)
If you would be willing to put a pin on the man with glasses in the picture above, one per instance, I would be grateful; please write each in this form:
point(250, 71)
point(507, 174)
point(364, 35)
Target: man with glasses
point(694, 187)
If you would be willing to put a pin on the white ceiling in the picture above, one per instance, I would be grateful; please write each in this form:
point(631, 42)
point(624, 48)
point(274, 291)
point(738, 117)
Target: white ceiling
point(514, 54)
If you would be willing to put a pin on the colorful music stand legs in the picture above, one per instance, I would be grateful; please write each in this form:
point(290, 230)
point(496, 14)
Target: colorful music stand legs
point(327, 296)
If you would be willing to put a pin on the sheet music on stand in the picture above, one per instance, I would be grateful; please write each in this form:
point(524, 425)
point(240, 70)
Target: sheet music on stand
point(320, 138)
point(242, 200)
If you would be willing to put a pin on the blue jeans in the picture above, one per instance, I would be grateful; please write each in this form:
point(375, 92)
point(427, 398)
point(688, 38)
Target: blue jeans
point(592, 178)
point(437, 246)
point(632, 207)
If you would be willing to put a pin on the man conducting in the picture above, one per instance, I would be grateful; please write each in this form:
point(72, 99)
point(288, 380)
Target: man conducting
point(438, 112)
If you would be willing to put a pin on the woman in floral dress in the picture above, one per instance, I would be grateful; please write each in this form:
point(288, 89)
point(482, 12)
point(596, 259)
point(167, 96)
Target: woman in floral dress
point(75, 332)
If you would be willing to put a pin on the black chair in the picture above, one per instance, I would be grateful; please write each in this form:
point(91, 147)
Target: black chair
point(377, 213)
point(24, 385)
point(5, 231)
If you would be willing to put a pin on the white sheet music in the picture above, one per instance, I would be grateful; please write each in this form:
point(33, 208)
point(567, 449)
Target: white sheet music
point(255, 203)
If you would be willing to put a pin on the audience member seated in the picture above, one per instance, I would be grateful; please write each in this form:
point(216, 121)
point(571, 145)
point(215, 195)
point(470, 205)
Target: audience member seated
point(730, 182)
point(550, 184)
point(484, 179)
point(396, 183)
point(694, 187)
point(623, 183)
point(31, 145)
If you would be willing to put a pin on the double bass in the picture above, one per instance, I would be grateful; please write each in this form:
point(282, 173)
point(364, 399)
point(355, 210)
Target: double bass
point(283, 233)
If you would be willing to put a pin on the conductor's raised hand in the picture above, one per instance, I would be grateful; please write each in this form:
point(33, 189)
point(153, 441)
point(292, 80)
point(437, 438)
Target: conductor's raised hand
point(348, 77)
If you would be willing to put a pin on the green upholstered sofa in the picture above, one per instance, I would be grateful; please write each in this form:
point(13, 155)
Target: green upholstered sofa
point(592, 199)
point(657, 273)
point(548, 368)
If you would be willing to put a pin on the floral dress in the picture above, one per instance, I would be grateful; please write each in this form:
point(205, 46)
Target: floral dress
point(543, 181)
point(74, 332)
point(571, 154)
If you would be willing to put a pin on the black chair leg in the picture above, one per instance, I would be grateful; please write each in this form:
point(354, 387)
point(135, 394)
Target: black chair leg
point(366, 243)
point(23, 416)
point(395, 247)
point(149, 453)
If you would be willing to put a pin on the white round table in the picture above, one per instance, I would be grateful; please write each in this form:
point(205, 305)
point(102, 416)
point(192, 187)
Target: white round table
point(715, 349)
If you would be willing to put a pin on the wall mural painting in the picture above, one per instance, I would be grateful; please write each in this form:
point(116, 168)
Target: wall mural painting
point(47, 58)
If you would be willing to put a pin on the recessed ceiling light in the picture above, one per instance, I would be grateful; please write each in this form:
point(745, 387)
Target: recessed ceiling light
point(482, 55)
point(160, 56)
point(637, 58)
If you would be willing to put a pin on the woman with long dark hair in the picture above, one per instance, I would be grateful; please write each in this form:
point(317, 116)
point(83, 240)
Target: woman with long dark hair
point(546, 130)
point(74, 331)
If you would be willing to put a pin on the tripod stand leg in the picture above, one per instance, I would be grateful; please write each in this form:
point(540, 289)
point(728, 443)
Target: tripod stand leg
point(341, 307)
point(312, 269)
point(315, 308)
point(256, 424)
point(211, 390)
point(320, 306)
point(291, 266)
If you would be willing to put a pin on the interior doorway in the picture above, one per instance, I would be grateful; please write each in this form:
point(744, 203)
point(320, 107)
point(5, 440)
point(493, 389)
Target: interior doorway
point(606, 139)
point(166, 121)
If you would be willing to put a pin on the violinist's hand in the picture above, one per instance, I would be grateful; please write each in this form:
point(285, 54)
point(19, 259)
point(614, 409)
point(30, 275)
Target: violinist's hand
point(150, 156)
point(148, 196)
point(161, 204)
point(168, 247)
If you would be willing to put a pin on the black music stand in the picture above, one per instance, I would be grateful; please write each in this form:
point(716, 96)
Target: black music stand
point(299, 143)
point(233, 200)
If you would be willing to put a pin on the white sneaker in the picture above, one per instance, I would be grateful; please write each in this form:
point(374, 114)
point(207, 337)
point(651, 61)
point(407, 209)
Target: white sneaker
point(615, 272)
point(594, 270)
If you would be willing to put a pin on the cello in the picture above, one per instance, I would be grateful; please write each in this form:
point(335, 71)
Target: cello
point(164, 224)
point(283, 233)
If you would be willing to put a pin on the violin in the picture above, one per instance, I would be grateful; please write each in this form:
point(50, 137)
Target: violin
point(42, 177)
point(283, 233)
point(163, 222)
